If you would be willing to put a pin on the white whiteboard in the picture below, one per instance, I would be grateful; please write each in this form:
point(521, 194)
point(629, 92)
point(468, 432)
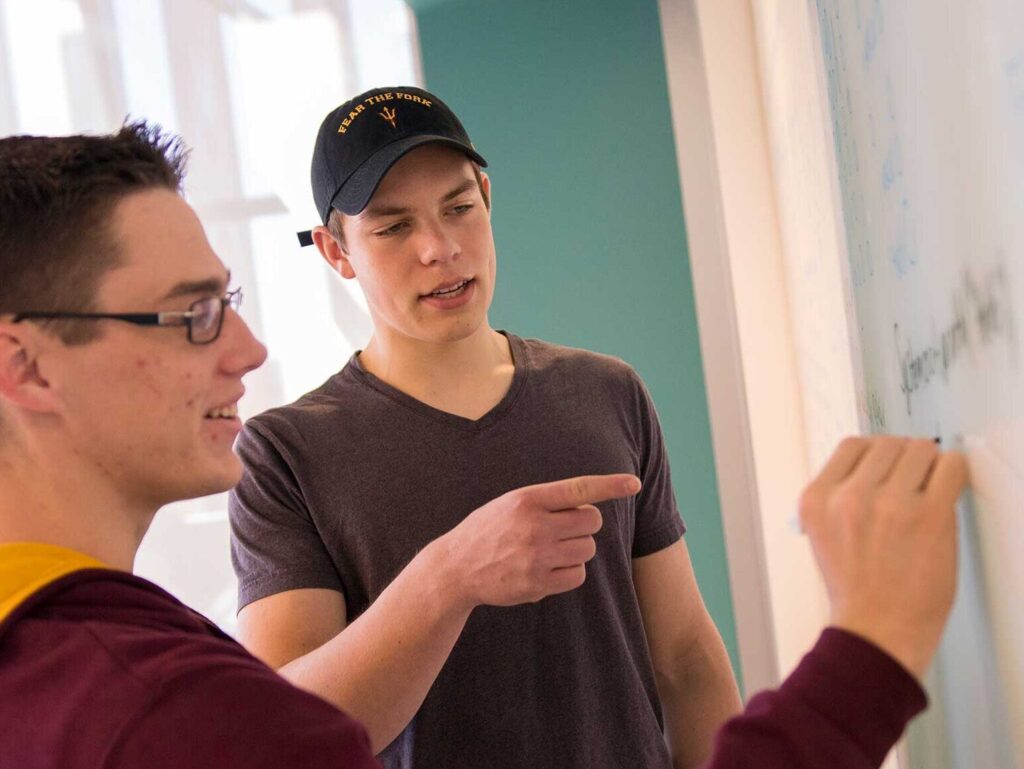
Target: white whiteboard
point(926, 100)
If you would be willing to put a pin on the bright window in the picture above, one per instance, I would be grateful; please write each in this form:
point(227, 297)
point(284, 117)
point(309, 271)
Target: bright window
point(246, 83)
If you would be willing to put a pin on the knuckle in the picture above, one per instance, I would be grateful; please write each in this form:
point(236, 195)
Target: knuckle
point(578, 488)
point(589, 519)
point(897, 442)
point(845, 500)
point(515, 496)
point(890, 504)
point(579, 575)
point(535, 594)
point(811, 504)
point(573, 577)
point(532, 587)
point(851, 442)
point(533, 536)
point(511, 506)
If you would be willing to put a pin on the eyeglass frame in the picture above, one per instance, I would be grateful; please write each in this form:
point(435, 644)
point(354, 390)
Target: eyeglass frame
point(171, 318)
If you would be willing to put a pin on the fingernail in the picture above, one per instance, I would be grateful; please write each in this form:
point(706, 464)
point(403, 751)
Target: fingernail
point(632, 485)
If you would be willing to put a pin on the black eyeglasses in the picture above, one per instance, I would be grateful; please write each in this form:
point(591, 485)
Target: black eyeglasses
point(204, 317)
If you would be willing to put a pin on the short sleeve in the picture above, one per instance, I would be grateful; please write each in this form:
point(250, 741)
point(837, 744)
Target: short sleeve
point(238, 717)
point(658, 522)
point(275, 545)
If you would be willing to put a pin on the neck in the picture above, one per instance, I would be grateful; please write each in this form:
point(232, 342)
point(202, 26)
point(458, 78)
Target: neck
point(465, 377)
point(60, 503)
point(404, 361)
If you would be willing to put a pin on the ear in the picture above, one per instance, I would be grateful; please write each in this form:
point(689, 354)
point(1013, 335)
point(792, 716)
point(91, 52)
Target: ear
point(485, 183)
point(21, 382)
point(333, 252)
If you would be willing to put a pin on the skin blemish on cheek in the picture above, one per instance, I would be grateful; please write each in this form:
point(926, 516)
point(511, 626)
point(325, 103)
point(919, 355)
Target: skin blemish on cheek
point(140, 363)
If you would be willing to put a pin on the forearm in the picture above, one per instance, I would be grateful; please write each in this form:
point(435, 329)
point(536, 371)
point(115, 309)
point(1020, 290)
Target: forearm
point(697, 698)
point(380, 668)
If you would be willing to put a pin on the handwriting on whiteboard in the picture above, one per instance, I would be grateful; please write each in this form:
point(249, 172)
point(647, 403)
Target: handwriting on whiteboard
point(982, 316)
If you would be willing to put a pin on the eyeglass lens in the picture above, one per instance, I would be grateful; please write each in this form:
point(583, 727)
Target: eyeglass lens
point(206, 318)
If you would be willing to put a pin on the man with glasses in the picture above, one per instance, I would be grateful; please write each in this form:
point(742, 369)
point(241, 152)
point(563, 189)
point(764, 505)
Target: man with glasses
point(121, 365)
point(102, 421)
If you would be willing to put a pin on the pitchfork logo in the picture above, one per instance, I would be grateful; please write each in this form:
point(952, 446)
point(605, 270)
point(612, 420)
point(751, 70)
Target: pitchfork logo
point(388, 115)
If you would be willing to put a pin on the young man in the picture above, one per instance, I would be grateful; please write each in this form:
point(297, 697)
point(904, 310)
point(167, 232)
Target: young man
point(121, 364)
point(104, 416)
point(363, 576)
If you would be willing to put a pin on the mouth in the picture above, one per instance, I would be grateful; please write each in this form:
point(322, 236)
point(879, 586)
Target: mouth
point(451, 290)
point(228, 411)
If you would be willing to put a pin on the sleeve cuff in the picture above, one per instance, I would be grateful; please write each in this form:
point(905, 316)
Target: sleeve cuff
point(861, 689)
point(649, 542)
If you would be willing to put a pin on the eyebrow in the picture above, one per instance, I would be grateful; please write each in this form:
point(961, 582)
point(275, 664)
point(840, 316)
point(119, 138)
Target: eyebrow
point(206, 286)
point(372, 212)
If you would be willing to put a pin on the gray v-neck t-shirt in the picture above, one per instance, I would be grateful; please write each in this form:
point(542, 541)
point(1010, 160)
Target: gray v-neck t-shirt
point(343, 487)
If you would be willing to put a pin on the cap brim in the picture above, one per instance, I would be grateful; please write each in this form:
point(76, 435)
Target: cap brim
point(355, 194)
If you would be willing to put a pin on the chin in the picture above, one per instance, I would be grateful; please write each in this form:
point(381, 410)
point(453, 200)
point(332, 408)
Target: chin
point(464, 329)
point(231, 475)
point(216, 480)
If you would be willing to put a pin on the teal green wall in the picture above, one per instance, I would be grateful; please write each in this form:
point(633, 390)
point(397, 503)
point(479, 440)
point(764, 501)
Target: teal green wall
point(569, 104)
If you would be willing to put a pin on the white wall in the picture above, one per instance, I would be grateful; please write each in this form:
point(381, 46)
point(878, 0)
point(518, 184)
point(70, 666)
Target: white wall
point(760, 194)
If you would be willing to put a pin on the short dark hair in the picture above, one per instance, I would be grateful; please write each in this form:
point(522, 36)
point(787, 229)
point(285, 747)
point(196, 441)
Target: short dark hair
point(57, 194)
point(334, 220)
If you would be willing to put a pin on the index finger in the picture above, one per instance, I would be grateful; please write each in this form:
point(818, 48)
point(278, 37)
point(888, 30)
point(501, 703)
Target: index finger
point(583, 490)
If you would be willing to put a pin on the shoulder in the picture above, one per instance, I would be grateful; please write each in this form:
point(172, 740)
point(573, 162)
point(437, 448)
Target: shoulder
point(308, 423)
point(603, 383)
point(180, 675)
point(552, 358)
point(601, 380)
point(102, 651)
point(310, 407)
point(235, 711)
point(143, 630)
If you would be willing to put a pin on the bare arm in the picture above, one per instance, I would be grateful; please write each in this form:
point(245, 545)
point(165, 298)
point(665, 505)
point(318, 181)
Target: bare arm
point(520, 547)
point(694, 678)
point(381, 667)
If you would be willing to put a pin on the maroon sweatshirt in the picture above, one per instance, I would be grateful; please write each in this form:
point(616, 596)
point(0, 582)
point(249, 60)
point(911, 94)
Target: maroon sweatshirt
point(104, 669)
point(844, 707)
point(100, 668)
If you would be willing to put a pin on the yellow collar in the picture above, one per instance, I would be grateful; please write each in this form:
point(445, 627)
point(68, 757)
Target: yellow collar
point(26, 567)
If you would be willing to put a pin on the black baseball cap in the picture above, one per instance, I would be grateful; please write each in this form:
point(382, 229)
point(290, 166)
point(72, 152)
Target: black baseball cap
point(359, 141)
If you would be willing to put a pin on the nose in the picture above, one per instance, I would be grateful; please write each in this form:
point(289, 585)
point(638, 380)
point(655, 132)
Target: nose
point(243, 352)
point(436, 244)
